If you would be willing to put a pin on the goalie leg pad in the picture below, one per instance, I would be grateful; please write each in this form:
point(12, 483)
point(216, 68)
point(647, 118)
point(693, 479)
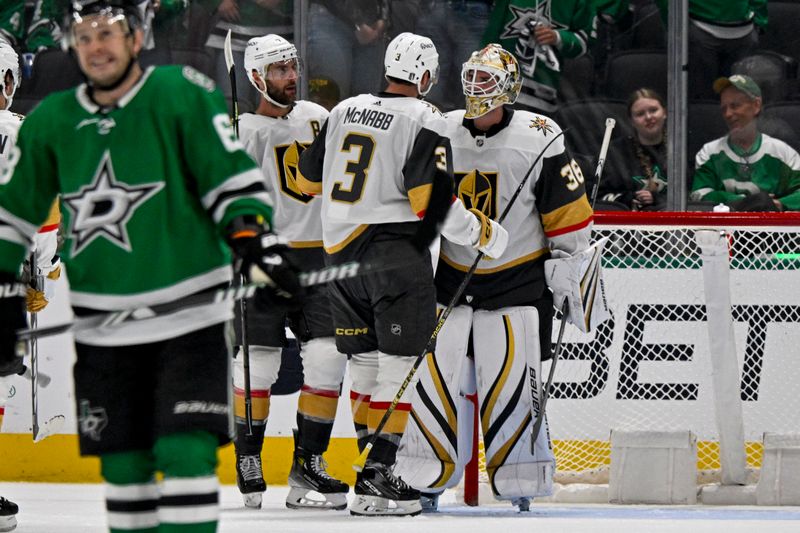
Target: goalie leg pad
point(431, 455)
point(507, 348)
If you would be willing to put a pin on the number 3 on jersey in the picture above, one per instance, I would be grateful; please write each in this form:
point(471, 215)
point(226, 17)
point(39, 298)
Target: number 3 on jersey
point(357, 168)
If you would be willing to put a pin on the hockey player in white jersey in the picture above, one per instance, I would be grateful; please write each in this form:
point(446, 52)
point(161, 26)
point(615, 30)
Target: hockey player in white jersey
point(500, 330)
point(374, 165)
point(274, 135)
point(45, 242)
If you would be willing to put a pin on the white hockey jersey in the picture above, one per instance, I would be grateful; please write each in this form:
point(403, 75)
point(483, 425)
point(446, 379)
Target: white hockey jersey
point(373, 164)
point(551, 211)
point(271, 142)
point(45, 242)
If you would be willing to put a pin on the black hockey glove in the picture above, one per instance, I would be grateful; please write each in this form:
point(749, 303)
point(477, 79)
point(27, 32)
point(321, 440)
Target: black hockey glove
point(12, 318)
point(263, 260)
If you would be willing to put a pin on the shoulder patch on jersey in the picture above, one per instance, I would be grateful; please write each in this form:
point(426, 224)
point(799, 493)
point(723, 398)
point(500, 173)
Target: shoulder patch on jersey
point(198, 78)
point(541, 124)
point(433, 108)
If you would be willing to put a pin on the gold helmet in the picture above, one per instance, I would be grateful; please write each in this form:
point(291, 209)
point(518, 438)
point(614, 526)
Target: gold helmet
point(490, 78)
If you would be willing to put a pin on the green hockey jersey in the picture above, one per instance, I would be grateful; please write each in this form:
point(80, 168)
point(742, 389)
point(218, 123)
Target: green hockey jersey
point(511, 25)
point(726, 174)
point(146, 188)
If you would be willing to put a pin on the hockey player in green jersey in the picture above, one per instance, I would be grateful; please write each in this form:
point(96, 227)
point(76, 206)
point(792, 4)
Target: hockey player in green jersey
point(153, 183)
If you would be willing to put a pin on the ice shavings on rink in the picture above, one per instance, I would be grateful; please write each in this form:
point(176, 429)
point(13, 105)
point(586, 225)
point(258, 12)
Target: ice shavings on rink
point(68, 508)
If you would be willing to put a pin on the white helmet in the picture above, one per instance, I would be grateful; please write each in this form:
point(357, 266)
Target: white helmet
point(490, 78)
point(9, 60)
point(409, 56)
point(261, 52)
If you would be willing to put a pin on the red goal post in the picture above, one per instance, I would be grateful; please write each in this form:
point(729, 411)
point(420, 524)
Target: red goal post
point(648, 366)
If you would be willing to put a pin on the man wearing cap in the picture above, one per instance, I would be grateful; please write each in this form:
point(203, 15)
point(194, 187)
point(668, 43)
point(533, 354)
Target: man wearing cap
point(746, 169)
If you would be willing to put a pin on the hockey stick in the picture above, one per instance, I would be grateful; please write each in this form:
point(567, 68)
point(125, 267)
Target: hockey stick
point(228, 52)
point(248, 394)
point(601, 161)
point(361, 460)
point(114, 318)
point(36, 282)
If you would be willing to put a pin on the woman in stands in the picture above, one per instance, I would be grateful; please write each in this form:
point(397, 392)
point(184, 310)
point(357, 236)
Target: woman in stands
point(636, 174)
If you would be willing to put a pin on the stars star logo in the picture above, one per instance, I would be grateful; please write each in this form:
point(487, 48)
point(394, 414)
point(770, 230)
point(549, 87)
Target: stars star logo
point(518, 26)
point(104, 207)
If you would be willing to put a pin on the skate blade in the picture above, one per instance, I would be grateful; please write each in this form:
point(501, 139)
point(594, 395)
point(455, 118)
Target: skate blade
point(8, 523)
point(300, 498)
point(48, 429)
point(376, 506)
point(252, 500)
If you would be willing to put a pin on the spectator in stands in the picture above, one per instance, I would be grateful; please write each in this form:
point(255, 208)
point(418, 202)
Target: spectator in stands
point(614, 19)
point(636, 173)
point(346, 43)
point(456, 28)
point(30, 30)
point(246, 19)
point(542, 33)
point(746, 169)
point(720, 33)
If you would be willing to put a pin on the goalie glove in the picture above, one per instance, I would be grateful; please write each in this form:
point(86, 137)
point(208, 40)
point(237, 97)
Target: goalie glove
point(576, 279)
point(12, 318)
point(263, 260)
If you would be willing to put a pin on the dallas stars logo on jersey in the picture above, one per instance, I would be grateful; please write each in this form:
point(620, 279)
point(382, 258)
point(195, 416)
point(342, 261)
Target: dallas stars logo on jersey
point(104, 207)
point(478, 190)
point(521, 16)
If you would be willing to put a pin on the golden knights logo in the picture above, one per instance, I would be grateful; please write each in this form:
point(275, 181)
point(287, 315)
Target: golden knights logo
point(541, 124)
point(287, 157)
point(478, 190)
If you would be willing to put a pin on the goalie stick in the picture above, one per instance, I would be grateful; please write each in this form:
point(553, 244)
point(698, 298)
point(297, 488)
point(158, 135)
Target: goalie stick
point(601, 161)
point(361, 460)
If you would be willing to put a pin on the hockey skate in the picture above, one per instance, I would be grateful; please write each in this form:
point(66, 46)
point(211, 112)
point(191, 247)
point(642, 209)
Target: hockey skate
point(8, 515)
point(311, 487)
point(380, 493)
point(250, 479)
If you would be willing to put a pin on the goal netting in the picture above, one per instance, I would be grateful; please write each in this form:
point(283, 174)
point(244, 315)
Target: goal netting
point(648, 366)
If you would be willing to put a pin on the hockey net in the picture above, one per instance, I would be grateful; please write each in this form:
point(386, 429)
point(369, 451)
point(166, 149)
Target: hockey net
point(647, 367)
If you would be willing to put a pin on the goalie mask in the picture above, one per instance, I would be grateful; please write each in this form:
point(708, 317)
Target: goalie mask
point(261, 52)
point(490, 78)
point(409, 57)
point(9, 62)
